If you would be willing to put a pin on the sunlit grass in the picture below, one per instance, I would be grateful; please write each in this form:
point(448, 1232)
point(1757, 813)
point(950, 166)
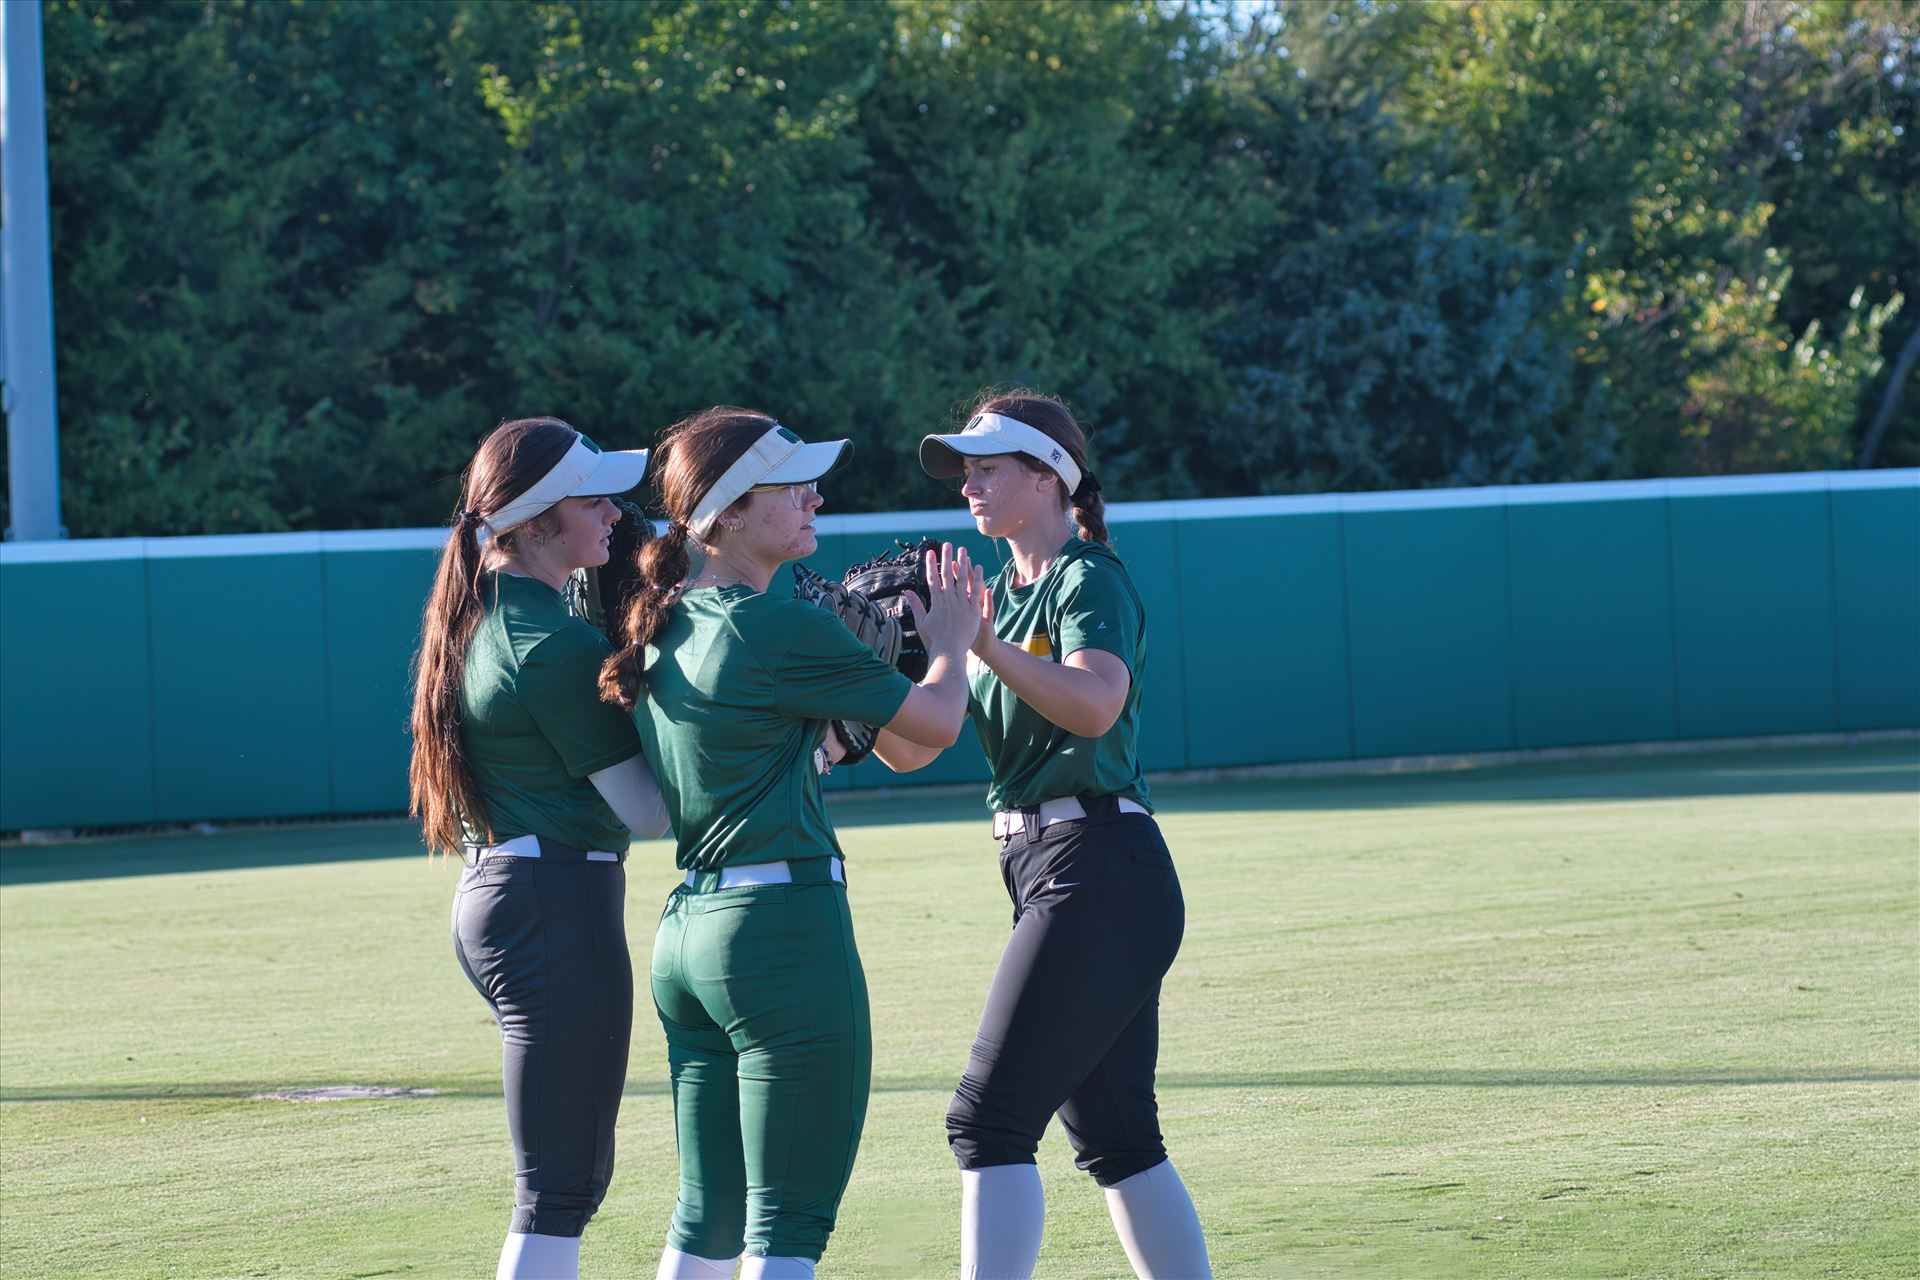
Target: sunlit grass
point(1637, 1018)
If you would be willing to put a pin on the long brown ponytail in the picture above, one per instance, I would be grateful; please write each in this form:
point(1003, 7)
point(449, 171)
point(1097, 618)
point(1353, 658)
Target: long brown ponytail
point(1050, 416)
point(687, 461)
point(440, 778)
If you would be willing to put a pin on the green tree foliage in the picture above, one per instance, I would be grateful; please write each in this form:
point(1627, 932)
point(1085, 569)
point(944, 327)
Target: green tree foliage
point(1381, 339)
point(1747, 404)
point(683, 222)
point(1844, 81)
point(307, 251)
point(1055, 170)
point(1658, 140)
point(260, 212)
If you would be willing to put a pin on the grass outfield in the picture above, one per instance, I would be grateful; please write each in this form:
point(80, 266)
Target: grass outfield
point(1649, 1017)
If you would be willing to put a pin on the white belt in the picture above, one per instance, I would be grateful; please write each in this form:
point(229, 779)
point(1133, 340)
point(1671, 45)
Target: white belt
point(1008, 822)
point(764, 873)
point(527, 847)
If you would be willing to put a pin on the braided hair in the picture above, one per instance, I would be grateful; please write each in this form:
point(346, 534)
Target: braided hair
point(1050, 416)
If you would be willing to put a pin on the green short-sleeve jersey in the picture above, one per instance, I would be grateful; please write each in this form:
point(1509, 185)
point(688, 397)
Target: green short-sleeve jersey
point(532, 720)
point(738, 692)
point(1084, 600)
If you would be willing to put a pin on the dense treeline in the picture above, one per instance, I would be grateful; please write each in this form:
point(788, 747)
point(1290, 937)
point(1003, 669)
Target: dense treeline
point(306, 253)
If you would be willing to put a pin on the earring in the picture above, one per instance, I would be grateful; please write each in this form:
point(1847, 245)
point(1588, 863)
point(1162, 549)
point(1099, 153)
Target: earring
point(731, 522)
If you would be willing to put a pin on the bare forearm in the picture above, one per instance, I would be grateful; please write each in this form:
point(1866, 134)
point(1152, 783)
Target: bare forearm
point(1078, 700)
point(900, 755)
point(931, 715)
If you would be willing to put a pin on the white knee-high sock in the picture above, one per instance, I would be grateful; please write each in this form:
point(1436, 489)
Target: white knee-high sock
point(531, 1257)
point(759, 1267)
point(675, 1265)
point(1158, 1227)
point(1002, 1215)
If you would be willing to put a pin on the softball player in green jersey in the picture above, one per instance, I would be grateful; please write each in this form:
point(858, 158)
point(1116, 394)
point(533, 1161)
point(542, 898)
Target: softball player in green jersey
point(755, 975)
point(521, 768)
point(1071, 1025)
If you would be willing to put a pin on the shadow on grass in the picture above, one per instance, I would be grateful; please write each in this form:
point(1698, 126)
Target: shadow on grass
point(1444, 1078)
point(177, 852)
point(444, 1087)
point(1878, 768)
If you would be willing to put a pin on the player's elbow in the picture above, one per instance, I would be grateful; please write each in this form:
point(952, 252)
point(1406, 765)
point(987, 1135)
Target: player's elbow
point(1089, 724)
point(902, 756)
point(1093, 716)
point(943, 730)
point(929, 734)
point(930, 717)
point(1096, 695)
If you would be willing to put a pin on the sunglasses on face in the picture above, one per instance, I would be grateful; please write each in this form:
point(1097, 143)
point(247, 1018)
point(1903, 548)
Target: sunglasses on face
point(799, 492)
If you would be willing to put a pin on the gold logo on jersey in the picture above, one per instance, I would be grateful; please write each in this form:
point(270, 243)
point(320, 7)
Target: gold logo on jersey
point(1038, 645)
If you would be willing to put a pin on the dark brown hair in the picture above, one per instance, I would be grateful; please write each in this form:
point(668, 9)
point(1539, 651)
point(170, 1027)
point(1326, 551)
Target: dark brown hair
point(687, 461)
point(442, 790)
point(1050, 416)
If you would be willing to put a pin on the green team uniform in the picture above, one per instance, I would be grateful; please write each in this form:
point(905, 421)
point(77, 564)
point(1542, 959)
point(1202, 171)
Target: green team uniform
point(738, 693)
point(1084, 600)
point(532, 723)
point(759, 988)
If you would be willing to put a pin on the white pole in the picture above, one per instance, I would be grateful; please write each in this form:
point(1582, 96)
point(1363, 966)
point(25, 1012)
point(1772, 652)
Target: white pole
point(26, 279)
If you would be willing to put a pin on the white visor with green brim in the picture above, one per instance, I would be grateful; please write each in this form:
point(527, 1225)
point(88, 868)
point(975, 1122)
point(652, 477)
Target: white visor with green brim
point(582, 472)
point(989, 435)
point(778, 457)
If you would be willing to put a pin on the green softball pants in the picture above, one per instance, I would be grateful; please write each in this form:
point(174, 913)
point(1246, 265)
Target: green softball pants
point(770, 1043)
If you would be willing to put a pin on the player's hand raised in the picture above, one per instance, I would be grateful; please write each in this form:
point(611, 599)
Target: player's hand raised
point(950, 619)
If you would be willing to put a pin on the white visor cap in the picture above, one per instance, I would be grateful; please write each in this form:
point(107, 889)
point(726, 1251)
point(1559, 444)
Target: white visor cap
point(990, 434)
point(582, 472)
point(778, 457)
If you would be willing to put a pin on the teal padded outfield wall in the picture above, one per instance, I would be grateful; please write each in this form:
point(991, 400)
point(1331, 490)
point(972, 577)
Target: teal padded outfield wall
point(186, 679)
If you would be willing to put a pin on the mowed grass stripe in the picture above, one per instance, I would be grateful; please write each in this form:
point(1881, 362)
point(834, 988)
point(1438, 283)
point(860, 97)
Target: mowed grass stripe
point(1634, 1018)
